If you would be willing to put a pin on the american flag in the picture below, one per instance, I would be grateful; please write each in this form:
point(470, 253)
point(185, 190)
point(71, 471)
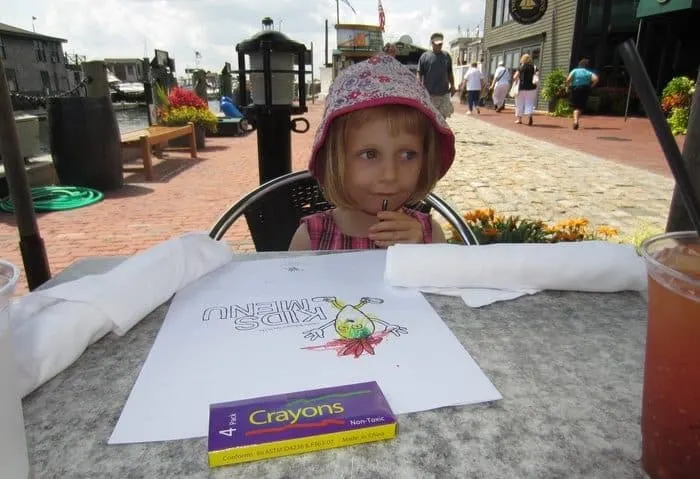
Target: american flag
point(382, 17)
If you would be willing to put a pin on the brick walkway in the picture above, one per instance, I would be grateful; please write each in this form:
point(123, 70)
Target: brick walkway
point(190, 195)
point(631, 143)
point(187, 195)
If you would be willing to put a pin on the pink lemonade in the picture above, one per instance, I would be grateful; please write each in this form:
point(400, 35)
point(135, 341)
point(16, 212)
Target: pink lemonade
point(671, 396)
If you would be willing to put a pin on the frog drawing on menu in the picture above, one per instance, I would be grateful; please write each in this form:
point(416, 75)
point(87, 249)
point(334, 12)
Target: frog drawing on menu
point(359, 331)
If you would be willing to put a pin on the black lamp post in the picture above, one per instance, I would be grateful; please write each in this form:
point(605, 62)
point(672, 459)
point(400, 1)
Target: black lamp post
point(272, 58)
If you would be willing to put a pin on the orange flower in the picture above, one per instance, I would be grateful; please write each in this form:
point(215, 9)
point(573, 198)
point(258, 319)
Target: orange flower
point(471, 216)
point(607, 231)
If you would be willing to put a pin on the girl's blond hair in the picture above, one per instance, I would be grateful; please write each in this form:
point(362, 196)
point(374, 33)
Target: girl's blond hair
point(525, 59)
point(400, 118)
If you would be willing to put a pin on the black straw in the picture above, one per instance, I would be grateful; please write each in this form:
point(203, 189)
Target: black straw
point(650, 101)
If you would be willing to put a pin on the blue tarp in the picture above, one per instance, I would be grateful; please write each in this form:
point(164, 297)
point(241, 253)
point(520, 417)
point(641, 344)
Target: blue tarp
point(228, 108)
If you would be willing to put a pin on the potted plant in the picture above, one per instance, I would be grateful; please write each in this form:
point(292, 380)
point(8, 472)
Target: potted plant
point(182, 107)
point(554, 92)
point(490, 227)
point(675, 101)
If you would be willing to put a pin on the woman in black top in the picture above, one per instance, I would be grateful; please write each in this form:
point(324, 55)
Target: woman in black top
point(526, 98)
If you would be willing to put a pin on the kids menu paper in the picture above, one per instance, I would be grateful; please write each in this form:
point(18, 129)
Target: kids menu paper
point(258, 328)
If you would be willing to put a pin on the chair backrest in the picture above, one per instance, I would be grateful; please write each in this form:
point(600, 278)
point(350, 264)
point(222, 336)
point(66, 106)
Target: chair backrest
point(273, 211)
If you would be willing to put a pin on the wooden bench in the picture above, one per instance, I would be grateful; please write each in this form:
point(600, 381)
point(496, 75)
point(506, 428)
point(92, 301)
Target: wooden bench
point(156, 135)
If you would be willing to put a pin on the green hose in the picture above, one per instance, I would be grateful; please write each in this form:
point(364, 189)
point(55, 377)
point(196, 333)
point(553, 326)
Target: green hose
point(57, 198)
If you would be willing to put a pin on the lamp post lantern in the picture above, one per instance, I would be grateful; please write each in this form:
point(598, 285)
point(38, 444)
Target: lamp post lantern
point(272, 59)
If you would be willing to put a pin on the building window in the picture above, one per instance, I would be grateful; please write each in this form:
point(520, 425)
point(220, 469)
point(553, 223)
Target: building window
point(512, 58)
point(496, 58)
point(501, 14)
point(594, 19)
point(40, 50)
point(11, 76)
point(119, 71)
point(3, 52)
point(45, 82)
point(54, 53)
point(55, 80)
point(534, 52)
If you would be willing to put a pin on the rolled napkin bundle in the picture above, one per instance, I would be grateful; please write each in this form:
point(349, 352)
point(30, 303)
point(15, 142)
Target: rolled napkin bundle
point(51, 328)
point(497, 272)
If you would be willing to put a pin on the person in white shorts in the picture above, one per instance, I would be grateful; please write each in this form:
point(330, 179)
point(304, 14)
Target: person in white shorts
point(526, 99)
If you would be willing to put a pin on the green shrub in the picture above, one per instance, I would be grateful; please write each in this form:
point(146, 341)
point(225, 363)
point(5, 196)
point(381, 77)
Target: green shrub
point(563, 108)
point(678, 121)
point(554, 86)
point(183, 115)
point(675, 101)
point(678, 86)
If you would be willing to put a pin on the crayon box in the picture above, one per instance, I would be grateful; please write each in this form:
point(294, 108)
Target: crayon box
point(295, 423)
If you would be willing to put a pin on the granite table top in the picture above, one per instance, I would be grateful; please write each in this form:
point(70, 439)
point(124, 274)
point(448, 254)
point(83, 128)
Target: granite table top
point(569, 366)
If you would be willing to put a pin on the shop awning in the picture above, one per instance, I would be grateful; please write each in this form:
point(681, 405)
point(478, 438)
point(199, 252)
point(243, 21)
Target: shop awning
point(651, 8)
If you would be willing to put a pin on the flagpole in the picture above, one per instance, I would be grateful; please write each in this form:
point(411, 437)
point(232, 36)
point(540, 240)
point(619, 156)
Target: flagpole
point(337, 12)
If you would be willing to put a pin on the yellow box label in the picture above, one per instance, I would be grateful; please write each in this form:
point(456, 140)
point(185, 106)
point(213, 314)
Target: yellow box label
point(301, 445)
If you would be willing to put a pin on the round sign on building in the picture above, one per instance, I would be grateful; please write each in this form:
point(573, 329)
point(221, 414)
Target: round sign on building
point(527, 11)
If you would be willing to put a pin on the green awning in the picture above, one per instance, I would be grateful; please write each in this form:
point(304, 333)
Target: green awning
point(650, 8)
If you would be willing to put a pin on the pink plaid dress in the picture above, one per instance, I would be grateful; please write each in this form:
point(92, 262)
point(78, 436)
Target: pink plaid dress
point(325, 234)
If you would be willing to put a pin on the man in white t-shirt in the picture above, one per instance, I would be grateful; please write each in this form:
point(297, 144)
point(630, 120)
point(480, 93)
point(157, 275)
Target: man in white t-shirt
point(500, 86)
point(473, 80)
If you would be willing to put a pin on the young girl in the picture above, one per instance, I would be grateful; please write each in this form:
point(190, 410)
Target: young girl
point(381, 145)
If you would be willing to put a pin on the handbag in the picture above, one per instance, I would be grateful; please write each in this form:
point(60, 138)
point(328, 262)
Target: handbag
point(514, 90)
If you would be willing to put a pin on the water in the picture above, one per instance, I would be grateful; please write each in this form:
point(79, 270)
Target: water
point(128, 119)
point(132, 119)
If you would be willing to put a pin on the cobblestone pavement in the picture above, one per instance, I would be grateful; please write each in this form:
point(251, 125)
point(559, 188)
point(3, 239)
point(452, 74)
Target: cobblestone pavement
point(519, 175)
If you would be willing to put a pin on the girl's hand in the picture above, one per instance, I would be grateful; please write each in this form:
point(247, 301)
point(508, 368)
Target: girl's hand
point(395, 227)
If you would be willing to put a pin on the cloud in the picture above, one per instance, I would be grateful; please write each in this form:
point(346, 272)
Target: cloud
point(134, 28)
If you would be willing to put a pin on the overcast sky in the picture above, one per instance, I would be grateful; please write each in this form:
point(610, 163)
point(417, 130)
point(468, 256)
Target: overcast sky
point(131, 28)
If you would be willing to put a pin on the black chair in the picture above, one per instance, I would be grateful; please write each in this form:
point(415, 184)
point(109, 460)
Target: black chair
point(273, 211)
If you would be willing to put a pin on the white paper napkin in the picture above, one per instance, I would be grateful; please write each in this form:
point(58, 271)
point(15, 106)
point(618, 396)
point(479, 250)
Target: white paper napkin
point(478, 297)
point(485, 274)
point(52, 327)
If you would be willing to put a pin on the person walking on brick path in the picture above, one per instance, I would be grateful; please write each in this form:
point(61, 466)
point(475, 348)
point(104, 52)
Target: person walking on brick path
point(580, 81)
point(473, 82)
point(435, 74)
point(500, 86)
point(526, 98)
point(381, 145)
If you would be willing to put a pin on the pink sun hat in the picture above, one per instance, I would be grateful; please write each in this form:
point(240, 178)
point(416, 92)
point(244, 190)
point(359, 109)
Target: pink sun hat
point(380, 80)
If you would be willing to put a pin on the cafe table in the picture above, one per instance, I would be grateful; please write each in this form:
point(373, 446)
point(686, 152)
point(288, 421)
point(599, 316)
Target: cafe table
point(569, 366)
